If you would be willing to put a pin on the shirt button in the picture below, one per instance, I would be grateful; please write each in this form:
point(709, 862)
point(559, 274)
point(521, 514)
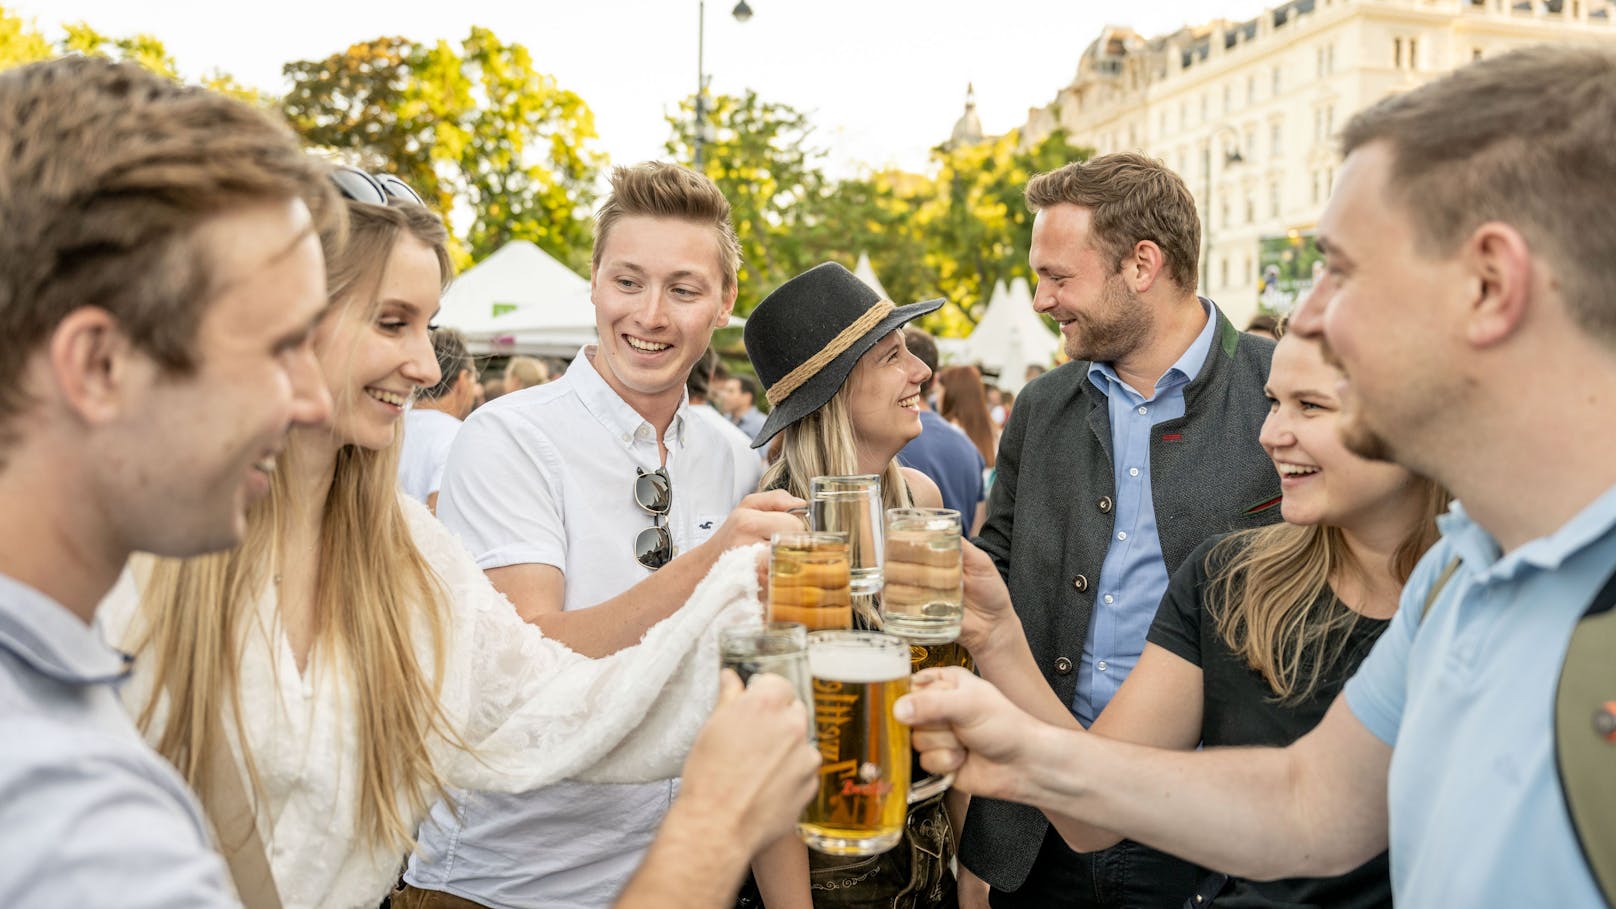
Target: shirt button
point(1133, 471)
point(1100, 665)
point(1080, 583)
point(1109, 599)
point(1122, 534)
point(1143, 411)
point(1063, 666)
point(1105, 504)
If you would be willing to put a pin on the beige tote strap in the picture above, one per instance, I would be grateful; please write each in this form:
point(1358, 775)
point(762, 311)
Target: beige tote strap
point(236, 830)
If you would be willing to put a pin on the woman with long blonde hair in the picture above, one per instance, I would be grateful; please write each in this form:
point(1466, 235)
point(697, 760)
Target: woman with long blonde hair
point(1259, 629)
point(846, 396)
point(349, 658)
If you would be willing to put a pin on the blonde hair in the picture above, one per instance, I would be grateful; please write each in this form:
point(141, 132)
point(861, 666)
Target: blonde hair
point(374, 595)
point(657, 189)
point(1268, 597)
point(525, 372)
point(822, 444)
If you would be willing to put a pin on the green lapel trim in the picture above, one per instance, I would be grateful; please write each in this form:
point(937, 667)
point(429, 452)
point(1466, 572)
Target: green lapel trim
point(1228, 335)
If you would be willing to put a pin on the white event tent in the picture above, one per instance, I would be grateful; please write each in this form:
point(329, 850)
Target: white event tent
point(1010, 336)
point(520, 300)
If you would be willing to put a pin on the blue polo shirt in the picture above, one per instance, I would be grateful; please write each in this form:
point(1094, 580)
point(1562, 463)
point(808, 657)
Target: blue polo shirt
point(947, 455)
point(1133, 577)
point(1466, 699)
point(89, 816)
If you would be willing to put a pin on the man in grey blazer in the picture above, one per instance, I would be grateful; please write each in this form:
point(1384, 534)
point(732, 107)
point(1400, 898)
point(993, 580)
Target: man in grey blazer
point(1111, 469)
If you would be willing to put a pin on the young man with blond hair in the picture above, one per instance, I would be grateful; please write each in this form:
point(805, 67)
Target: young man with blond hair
point(1467, 297)
point(596, 503)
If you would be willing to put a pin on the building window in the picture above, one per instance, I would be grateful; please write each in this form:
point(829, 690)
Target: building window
point(1249, 146)
point(1245, 269)
point(1413, 54)
point(1228, 98)
point(1475, 53)
point(1276, 139)
point(1315, 187)
point(1251, 89)
point(1273, 199)
point(1397, 53)
point(1251, 207)
point(1223, 212)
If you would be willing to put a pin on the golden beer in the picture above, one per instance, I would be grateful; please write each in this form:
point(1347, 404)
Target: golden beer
point(864, 775)
point(923, 598)
point(809, 581)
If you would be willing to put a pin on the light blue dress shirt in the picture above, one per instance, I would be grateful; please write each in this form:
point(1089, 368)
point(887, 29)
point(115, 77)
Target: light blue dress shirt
point(89, 816)
point(1465, 697)
point(1133, 576)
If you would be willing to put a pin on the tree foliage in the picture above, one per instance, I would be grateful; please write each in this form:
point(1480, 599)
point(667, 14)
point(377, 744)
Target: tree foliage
point(20, 41)
point(474, 127)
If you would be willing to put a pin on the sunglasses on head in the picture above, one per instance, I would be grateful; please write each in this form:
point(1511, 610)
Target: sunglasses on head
point(653, 492)
point(373, 189)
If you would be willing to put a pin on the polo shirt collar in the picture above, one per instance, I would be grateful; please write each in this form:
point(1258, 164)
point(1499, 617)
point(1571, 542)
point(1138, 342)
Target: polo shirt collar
point(623, 421)
point(1184, 369)
point(52, 641)
point(1478, 549)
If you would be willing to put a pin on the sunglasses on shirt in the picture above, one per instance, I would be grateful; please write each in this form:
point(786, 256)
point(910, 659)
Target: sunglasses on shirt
point(653, 492)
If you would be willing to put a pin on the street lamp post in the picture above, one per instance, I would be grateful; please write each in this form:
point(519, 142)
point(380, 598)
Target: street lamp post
point(1230, 157)
point(742, 13)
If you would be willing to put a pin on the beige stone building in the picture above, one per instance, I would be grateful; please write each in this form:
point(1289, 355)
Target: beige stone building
point(1247, 112)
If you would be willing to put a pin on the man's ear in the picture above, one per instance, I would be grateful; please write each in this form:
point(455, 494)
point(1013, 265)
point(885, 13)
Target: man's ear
point(727, 307)
point(92, 362)
point(1499, 270)
point(1143, 266)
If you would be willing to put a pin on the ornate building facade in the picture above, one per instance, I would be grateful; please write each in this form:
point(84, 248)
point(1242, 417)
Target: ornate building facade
point(1247, 112)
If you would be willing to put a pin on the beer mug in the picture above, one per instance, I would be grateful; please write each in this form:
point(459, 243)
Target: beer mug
point(808, 580)
point(864, 786)
point(851, 506)
point(780, 648)
point(923, 596)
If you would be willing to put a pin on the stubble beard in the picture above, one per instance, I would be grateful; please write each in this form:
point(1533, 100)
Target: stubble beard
point(1123, 325)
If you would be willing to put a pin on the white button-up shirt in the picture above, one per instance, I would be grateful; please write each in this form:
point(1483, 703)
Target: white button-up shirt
point(546, 475)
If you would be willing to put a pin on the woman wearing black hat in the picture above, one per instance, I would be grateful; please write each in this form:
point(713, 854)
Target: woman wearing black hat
point(846, 397)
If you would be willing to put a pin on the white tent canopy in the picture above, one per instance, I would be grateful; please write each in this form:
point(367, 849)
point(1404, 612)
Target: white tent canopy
point(520, 300)
point(1010, 336)
point(865, 273)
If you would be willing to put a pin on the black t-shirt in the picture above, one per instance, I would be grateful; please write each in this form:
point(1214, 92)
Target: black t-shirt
point(1239, 708)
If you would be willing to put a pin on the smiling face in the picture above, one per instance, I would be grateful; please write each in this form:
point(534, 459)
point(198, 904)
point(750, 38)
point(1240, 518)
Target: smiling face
point(658, 291)
point(1100, 318)
point(883, 396)
point(1380, 308)
point(1322, 481)
point(195, 450)
point(375, 350)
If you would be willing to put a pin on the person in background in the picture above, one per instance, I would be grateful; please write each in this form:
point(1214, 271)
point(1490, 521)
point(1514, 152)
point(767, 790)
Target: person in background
point(525, 372)
point(748, 466)
point(741, 395)
point(158, 310)
point(1263, 325)
point(434, 418)
point(941, 451)
point(1034, 370)
point(962, 403)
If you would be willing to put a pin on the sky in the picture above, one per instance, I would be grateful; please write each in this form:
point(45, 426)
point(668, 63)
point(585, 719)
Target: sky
point(882, 80)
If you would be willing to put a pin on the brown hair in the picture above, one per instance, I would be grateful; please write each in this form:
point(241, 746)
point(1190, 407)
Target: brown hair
point(965, 403)
point(1527, 138)
point(108, 177)
point(449, 347)
point(526, 372)
point(1133, 198)
point(657, 189)
point(375, 598)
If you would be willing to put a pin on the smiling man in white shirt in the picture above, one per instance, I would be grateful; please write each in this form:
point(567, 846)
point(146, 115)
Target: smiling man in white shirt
point(596, 503)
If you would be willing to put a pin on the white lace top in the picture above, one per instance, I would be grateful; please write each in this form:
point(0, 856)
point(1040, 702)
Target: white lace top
point(536, 711)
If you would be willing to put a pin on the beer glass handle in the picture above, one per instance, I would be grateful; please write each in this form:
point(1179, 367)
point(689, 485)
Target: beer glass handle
point(801, 511)
point(929, 787)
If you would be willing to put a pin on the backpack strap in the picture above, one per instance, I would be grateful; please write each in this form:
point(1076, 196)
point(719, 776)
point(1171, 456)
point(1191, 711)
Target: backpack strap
point(1585, 736)
point(1436, 588)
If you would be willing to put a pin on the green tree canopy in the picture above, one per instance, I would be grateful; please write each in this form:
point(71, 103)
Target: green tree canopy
point(474, 127)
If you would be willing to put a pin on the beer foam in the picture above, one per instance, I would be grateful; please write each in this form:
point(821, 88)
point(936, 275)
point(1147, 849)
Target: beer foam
point(856, 663)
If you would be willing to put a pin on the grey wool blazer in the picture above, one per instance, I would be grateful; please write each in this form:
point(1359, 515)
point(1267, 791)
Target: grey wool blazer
point(1050, 522)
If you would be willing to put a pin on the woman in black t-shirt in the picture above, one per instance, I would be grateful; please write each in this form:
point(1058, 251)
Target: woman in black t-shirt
point(1260, 629)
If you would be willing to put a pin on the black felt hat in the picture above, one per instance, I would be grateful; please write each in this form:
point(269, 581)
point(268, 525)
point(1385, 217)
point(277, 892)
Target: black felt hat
point(804, 339)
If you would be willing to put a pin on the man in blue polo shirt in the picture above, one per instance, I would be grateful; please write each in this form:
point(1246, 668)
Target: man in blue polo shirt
point(1467, 297)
